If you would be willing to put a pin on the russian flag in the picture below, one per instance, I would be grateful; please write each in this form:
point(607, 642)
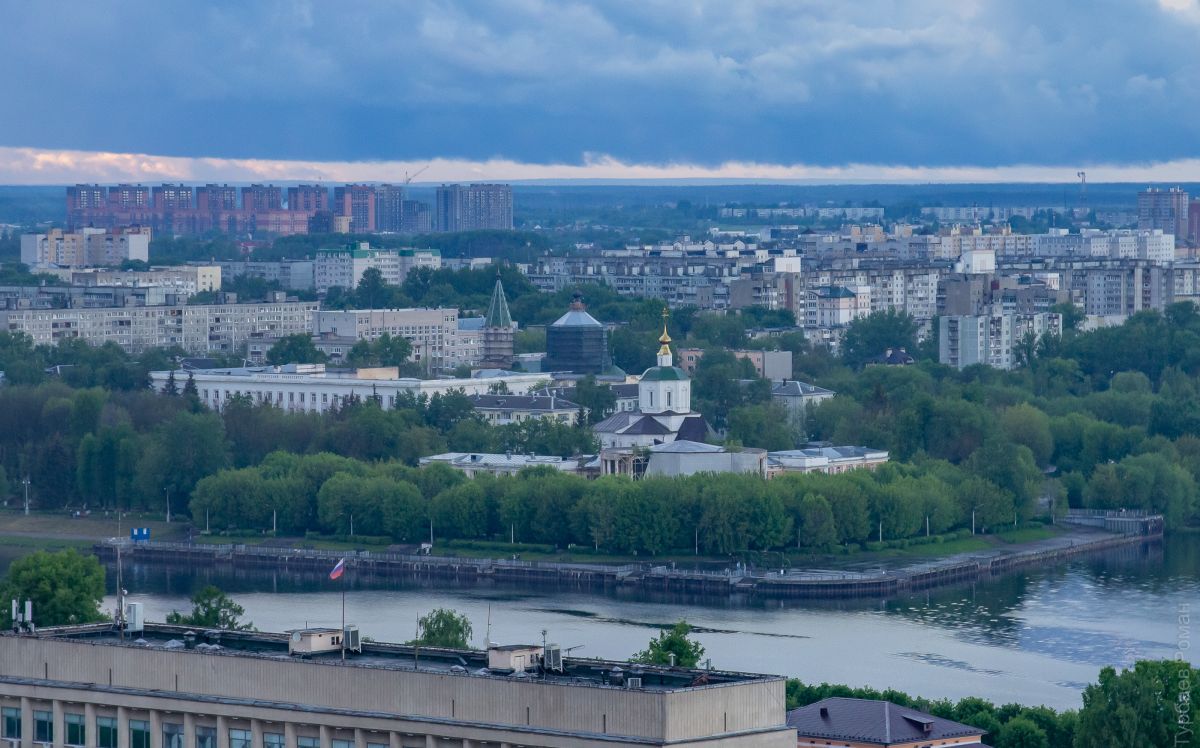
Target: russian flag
point(337, 570)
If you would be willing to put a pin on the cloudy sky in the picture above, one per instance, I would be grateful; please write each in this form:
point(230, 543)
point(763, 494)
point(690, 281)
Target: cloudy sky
point(900, 89)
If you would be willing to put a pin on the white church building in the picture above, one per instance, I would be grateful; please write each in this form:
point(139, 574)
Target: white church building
point(664, 413)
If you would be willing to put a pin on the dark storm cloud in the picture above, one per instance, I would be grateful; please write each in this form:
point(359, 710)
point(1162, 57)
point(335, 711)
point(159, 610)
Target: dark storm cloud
point(923, 82)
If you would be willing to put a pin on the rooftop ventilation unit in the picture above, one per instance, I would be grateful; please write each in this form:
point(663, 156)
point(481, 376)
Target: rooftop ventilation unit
point(553, 660)
point(633, 683)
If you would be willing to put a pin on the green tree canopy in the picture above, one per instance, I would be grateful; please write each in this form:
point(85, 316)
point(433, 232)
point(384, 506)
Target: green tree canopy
point(295, 349)
point(65, 588)
point(870, 336)
point(1147, 704)
point(672, 644)
point(442, 627)
point(212, 608)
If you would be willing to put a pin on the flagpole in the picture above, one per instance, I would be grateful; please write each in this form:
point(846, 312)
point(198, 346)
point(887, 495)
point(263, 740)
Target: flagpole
point(342, 638)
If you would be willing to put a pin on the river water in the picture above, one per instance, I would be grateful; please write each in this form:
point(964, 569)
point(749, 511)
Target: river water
point(1036, 637)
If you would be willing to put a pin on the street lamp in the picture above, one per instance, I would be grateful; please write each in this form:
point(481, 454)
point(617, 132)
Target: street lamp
point(25, 482)
point(167, 491)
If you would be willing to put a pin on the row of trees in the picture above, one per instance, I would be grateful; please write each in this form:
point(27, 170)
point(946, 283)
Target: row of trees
point(722, 514)
point(137, 449)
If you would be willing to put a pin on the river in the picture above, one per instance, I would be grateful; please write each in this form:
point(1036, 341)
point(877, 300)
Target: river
point(1034, 637)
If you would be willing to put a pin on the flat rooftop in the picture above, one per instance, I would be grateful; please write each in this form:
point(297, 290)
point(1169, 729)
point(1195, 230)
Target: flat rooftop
point(385, 656)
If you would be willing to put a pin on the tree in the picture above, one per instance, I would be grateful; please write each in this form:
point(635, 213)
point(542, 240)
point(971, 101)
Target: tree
point(295, 349)
point(1148, 704)
point(597, 399)
point(212, 608)
point(1020, 732)
point(817, 530)
point(442, 627)
point(870, 336)
point(672, 647)
point(64, 587)
point(171, 389)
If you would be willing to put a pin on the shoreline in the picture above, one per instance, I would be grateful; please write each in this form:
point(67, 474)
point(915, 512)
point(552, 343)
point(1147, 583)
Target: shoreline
point(648, 577)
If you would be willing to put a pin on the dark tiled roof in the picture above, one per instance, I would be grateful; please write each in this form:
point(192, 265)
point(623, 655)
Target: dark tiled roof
point(793, 388)
point(870, 721)
point(694, 428)
point(648, 426)
point(625, 390)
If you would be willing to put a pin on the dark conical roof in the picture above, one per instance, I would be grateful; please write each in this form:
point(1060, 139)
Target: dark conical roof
point(498, 315)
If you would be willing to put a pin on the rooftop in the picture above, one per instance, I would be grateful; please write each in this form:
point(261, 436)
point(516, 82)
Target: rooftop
point(874, 722)
point(377, 655)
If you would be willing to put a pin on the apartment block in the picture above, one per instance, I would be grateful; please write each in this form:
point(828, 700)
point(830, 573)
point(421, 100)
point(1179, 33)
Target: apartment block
point(989, 339)
point(198, 329)
point(473, 207)
point(292, 275)
point(433, 333)
point(344, 266)
point(85, 248)
point(1165, 210)
point(356, 202)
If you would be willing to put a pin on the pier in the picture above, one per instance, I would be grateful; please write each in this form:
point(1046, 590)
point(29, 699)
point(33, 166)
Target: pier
point(1098, 531)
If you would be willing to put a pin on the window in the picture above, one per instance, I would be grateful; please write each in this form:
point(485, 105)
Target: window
point(11, 727)
point(206, 737)
point(139, 733)
point(273, 740)
point(307, 741)
point(172, 735)
point(106, 732)
point(76, 729)
point(43, 727)
point(240, 739)
point(343, 743)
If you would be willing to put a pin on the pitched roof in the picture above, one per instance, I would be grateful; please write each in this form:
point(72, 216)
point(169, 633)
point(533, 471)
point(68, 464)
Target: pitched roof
point(646, 425)
point(872, 721)
point(684, 445)
point(498, 315)
point(793, 388)
point(694, 428)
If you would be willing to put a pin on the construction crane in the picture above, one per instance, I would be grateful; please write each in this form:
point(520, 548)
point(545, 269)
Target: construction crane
point(408, 179)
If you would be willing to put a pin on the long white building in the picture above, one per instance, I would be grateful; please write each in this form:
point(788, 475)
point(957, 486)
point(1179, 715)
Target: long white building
point(313, 388)
point(198, 329)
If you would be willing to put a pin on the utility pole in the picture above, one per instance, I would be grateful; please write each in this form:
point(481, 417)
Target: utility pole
point(25, 482)
point(167, 491)
point(972, 521)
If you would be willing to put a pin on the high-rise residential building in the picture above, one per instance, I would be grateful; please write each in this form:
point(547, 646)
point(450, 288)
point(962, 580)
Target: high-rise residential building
point(357, 202)
point(214, 198)
point(308, 198)
point(416, 218)
point(1166, 210)
point(171, 198)
point(129, 197)
point(261, 198)
point(389, 207)
point(1194, 221)
point(472, 207)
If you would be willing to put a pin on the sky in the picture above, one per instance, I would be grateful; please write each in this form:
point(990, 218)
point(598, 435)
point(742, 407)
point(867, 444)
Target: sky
point(893, 90)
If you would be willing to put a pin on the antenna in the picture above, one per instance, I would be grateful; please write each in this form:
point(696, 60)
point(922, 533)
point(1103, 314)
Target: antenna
point(1082, 190)
point(487, 638)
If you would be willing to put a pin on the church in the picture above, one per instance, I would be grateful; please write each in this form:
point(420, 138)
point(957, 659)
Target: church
point(664, 413)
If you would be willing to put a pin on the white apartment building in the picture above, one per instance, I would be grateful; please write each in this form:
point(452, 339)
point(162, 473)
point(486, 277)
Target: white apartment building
point(433, 333)
point(86, 247)
point(989, 339)
point(837, 306)
point(313, 388)
point(184, 281)
point(344, 266)
point(292, 275)
point(1150, 245)
point(198, 329)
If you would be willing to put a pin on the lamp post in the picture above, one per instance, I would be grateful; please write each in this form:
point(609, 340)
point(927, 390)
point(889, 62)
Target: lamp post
point(167, 493)
point(25, 482)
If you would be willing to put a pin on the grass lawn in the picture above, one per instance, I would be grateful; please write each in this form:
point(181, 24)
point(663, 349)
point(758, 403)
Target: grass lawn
point(96, 526)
